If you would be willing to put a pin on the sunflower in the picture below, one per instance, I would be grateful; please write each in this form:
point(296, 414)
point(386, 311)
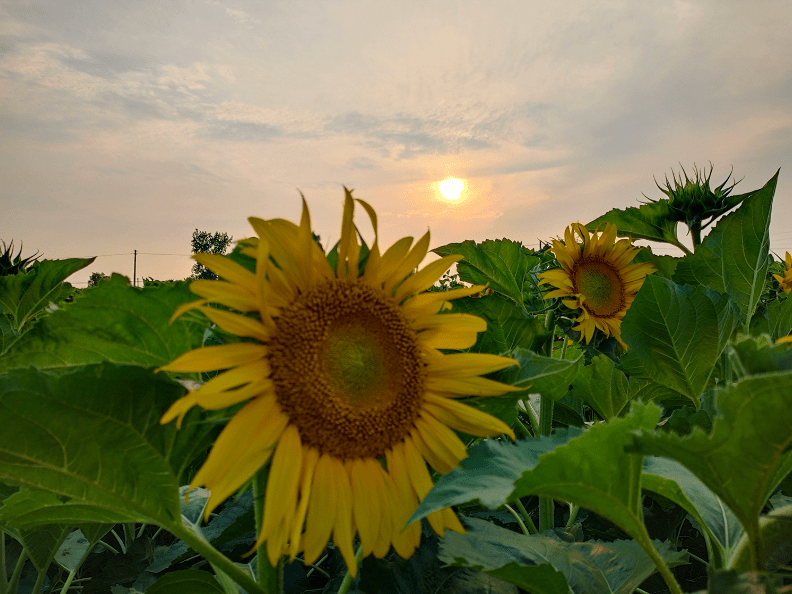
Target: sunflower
point(598, 277)
point(785, 282)
point(348, 393)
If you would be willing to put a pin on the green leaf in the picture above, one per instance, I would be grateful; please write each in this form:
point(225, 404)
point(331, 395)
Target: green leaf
point(508, 327)
point(487, 475)
point(112, 322)
point(23, 296)
point(504, 554)
point(676, 483)
point(542, 564)
point(734, 257)
point(650, 221)
point(758, 354)
point(750, 582)
point(775, 531)
point(779, 318)
point(540, 374)
point(603, 387)
point(590, 469)
point(676, 334)
point(748, 452)
point(503, 263)
point(93, 436)
point(186, 581)
point(665, 266)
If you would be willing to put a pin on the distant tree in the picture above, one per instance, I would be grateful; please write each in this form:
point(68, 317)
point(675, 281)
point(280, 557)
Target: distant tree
point(95, 278)
point(204, 242)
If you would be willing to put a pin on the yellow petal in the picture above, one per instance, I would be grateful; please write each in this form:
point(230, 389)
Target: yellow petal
point(321, 510)
point(425, 278)
point(227, 294)
point(228, 269)
point(470, 386)
point(282, 482)
point(430, 303)
point(466, 364)
point(465, 418)
point(365, 505)
point(237, 324)
point(216, 357)
point(348, 247)
point(310, 458)
point(342, 531)
point(409, 263)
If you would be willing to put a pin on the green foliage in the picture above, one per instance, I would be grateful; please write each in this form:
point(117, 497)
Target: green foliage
point(676, 334)
point(112, 322)
point(25, 296)
point(734, 257)
point(503, 264)
point(548, 565)
point(748, 452)
point(95, 278)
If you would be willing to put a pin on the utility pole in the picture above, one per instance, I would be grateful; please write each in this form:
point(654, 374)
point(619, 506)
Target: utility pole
point(134, 271)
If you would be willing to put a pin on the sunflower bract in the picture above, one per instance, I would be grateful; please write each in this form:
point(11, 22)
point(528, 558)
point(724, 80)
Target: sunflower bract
point(596, 278)
point(348, 393)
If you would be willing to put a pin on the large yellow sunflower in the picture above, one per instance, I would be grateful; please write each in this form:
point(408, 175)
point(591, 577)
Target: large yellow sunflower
point(348, 391)
point(785, 282)
point(598, 277)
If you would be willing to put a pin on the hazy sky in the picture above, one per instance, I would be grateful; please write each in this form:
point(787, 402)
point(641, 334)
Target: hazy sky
point(127, 125)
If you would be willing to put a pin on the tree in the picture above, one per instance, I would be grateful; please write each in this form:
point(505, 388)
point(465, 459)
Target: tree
point(95, 278)
point(204, 242)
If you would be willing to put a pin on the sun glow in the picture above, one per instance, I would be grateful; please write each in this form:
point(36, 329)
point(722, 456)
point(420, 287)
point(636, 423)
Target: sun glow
point(451, 188)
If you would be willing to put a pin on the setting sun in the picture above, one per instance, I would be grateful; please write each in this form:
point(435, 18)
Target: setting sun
point(451, 188)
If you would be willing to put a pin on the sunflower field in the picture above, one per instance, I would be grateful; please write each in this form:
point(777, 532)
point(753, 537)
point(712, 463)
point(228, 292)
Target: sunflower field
point(588, 417)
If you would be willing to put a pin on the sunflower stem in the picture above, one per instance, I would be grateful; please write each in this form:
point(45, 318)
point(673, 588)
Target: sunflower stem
point(269, 578)
point(344, 587)
point(218, 560)
point(519, 520)
point(695, 232)
point(527, 517)
point(523, 429)
point(546, 508)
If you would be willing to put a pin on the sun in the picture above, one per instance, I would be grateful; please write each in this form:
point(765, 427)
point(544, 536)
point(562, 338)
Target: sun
point(451, 188)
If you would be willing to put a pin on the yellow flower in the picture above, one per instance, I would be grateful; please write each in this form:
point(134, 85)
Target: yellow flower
point(785, 282)
point(349, 394)
point(598, 277)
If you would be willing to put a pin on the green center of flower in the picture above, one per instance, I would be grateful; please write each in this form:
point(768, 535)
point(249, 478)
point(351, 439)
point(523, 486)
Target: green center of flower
point(354, 361)
point(347, 369)
point(601, 286)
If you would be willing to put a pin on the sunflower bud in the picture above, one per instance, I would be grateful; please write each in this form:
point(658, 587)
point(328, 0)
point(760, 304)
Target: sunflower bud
point(693, 201)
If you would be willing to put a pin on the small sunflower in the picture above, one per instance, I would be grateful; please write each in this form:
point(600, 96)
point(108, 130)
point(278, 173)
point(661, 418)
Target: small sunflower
point(598, 277)
point(349, 393)
point(785, 282)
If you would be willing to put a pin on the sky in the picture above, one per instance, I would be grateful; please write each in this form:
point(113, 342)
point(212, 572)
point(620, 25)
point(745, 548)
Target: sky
point(127, 125)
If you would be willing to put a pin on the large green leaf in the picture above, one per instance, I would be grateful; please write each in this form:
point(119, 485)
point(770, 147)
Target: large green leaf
point(779, 318)
point(603, 387)
point(758, 354)
point(487, 475)
point(508, 327)
point(676, 334)
point(503, 263)
point(93, 436)
point(591, 470)
point(649, 221)
point(716, 521)
point(748, 452)
point(776, 534)
point(589, 567)
point(541, 375)
point(112, 322)
point(23, 296)
point(734, 257)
